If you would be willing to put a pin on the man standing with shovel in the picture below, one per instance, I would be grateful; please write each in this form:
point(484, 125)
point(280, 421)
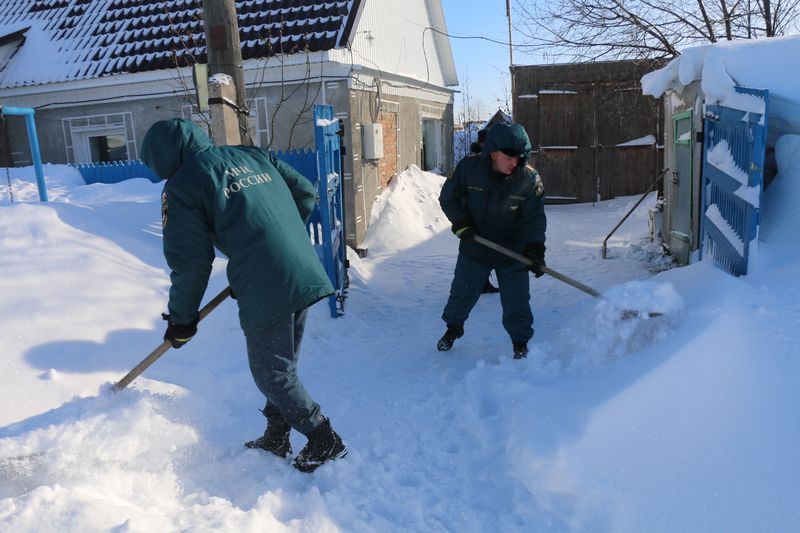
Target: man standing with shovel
point(253, 208)
point(497, 196)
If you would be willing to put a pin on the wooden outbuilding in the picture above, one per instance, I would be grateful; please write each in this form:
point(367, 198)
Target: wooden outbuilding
point(595, 135)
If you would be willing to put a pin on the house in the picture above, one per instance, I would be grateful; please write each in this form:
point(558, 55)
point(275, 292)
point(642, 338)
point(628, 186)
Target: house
point(594, 134)
point(498, 117)
point(99, 73)
point(753, 82)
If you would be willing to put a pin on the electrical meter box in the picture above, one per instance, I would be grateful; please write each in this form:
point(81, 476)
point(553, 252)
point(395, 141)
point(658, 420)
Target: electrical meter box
point(372, 141)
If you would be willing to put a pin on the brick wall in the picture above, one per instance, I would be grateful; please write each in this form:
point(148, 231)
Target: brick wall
point(388, 165)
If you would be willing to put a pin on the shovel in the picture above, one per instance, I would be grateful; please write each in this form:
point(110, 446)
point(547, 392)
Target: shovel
point(166, 345)
point(626, 313)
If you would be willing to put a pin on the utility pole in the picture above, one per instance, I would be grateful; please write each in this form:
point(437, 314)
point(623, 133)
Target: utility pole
point(224, 52)
point(510, 56)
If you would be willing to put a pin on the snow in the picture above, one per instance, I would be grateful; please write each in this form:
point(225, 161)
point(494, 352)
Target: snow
point(220, 79)
point(721, 157)
point(683, 422)
point(647, 140)
point(757, 63)
point(715, 216)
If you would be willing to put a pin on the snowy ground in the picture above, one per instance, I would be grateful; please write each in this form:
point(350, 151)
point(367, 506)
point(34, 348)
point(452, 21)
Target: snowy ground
point(687, 422)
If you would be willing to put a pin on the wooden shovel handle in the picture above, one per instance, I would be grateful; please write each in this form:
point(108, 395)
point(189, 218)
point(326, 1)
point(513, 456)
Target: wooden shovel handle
point(166, 345)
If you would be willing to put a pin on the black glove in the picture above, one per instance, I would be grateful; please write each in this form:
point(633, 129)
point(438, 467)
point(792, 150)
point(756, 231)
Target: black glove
point(464, 230)
point(179, 334)
point(535, 252)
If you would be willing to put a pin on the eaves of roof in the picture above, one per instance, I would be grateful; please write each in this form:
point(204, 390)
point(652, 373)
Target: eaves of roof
point(88, 39)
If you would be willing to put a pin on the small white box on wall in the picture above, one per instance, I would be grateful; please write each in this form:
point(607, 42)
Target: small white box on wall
point(372, 141)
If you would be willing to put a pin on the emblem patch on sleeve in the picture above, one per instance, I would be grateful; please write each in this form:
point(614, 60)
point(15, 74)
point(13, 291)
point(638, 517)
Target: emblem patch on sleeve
point(539, 186)
point(163, 210)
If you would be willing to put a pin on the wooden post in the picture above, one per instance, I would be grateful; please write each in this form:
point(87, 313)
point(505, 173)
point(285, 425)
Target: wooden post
point(224, 53)
point(511, 58)
point(222, 108)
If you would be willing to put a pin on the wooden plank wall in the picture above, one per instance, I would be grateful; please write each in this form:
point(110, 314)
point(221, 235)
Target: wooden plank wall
point(576, 115)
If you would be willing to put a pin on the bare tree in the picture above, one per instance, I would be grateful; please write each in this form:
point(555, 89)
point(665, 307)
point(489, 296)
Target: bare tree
point(302, 92)
point(631, 29)
point(503, 100)
point(469, 115)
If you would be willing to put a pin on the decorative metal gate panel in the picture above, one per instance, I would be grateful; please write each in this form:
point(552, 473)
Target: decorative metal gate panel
point(733, 178)
point(327, 132)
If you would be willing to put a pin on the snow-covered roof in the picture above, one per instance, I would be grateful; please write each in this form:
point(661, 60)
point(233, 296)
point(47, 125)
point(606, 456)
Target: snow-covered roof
point(767, 63)
point(48, 41)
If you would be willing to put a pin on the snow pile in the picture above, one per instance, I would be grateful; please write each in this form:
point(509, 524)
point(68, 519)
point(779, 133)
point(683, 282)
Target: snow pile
point(59, 179)
point(406, 213)
point(65, 184)
point(675, 425)
point(631, 316)
point(758, 63)
point(780, 216)
point(137, 190)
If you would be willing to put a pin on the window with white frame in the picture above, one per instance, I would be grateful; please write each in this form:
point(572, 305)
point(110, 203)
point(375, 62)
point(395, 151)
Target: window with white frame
point(258, 122)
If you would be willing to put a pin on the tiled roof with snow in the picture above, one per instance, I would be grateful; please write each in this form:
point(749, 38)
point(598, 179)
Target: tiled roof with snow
point(46, 41)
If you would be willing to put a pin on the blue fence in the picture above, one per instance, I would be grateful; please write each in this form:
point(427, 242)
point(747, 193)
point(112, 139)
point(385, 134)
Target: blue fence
point(115, 171)
point(321, 166)
point(733, 179)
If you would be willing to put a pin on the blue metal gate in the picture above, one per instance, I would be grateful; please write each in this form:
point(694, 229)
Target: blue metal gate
point(323, 167)
point(733, 178)
point(327, 231)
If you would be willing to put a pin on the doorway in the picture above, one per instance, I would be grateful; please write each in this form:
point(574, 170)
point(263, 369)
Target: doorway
point(682, 184)
point(431, 145)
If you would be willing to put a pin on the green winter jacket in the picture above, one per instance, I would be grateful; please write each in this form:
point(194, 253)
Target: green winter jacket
point(249, 205)
point(508, 210)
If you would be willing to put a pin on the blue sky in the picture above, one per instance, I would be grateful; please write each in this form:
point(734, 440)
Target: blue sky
point(480, 62)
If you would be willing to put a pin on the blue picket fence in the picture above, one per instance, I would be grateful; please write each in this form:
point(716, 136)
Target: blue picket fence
point(321, 166)
point(733, 179)
point(115, 171)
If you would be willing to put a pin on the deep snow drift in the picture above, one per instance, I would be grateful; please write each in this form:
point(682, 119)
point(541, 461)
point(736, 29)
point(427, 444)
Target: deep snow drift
point(686, 422)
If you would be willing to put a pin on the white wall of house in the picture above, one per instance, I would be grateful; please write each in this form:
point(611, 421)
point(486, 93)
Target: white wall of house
point(396, 36)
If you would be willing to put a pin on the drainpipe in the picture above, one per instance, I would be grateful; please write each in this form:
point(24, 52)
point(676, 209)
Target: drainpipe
point(33, 141)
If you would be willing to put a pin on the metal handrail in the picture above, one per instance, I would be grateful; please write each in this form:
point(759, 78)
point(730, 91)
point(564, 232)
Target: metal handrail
point(648, 191)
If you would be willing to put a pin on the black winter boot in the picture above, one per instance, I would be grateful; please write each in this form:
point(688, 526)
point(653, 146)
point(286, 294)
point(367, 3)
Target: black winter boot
point(275, 439)
point(449, 337)
point(520, 349)
point(323, 445)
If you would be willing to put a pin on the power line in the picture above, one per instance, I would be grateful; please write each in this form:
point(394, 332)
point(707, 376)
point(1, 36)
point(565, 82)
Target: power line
point(480, 37)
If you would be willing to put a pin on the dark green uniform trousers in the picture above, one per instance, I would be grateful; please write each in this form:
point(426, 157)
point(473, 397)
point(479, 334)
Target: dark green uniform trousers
point(514, 282)
point(273, 352)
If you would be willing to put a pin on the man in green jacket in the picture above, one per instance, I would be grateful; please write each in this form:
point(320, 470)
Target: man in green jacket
point(254, 209)
point(497, 196)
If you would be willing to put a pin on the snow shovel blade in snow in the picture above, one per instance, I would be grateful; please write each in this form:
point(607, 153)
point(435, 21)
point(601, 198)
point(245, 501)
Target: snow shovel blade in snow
point(158, 352)
point(626, 313)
